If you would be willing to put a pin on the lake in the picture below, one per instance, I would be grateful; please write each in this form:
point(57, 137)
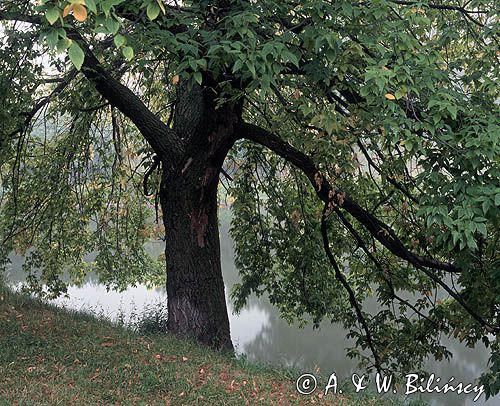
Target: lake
point(260, 333)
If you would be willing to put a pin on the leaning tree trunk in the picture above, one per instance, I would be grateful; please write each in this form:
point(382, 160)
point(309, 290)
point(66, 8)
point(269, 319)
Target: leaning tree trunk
point(195, 288)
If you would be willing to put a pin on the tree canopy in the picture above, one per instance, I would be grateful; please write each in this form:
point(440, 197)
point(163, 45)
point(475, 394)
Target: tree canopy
point(363, 162)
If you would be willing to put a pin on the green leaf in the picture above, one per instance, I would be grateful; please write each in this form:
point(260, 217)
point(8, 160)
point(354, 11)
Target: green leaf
point(160, 3)
point(237, 65)
point(112, 25)
point(52, 37)
point(251, 68)
point(106, 5)
point(400, 93)
point(290, 57)
point(153, 11)
point(52, 15)
point(63, 44)
point(76, 55)
point(481, 228)
point(198, 78)
point(128, 53)
point(91, 5)
point(408, 145)
point(119, 40)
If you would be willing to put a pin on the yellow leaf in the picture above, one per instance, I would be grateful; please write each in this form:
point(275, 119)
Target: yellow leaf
point(175, 79)
point(79, 12)
point(390, 96)
point(67, 10)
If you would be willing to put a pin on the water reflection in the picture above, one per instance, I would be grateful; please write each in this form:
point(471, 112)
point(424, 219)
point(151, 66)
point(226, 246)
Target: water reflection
point(261, 334)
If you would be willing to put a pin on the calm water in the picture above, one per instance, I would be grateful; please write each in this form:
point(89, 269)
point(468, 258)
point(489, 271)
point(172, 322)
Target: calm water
point(261, 334)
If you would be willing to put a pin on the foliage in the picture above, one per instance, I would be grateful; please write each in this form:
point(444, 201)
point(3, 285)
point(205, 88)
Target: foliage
point(395, 101)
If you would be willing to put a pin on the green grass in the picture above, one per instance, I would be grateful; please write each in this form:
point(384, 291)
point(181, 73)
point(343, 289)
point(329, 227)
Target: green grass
point(51, 356)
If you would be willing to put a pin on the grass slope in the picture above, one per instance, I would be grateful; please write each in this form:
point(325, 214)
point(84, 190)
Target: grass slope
point(50, 356)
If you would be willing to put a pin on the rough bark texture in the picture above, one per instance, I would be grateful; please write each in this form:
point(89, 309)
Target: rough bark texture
point(195, 288)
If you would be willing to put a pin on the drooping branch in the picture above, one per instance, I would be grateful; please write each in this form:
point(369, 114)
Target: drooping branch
point(390, 179)
point(149, 172)
point(29, 115)
point(347, 224)
point(382, 232)
point(160, 137)
point(341, 278)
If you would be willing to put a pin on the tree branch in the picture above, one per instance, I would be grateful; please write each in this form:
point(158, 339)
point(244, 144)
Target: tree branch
point(341, 278)
point(12, 16)
point(439, 6)
point(163, 140)
point(334, 198)
point(382, 232)
point(29, 115)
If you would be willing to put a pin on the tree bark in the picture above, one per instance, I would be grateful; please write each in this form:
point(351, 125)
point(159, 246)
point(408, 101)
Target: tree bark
point(195, 288)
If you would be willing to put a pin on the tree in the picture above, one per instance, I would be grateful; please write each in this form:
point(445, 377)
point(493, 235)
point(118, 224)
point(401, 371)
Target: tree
point(363, 139)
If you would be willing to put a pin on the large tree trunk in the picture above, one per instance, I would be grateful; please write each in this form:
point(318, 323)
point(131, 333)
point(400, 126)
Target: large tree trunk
point(195, 288)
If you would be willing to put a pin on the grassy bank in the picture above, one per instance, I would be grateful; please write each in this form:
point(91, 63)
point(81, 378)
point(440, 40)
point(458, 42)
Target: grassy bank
point(50, 356)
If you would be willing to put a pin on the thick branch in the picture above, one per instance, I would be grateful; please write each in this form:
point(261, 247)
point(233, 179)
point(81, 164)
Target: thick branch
point(162, 139)
point(382, 232)
point(334, 198)
point(14, 16)
point(439, 6)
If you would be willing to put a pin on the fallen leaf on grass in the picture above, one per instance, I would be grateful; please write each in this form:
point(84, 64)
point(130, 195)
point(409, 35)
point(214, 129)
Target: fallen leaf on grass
point(107, 344)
